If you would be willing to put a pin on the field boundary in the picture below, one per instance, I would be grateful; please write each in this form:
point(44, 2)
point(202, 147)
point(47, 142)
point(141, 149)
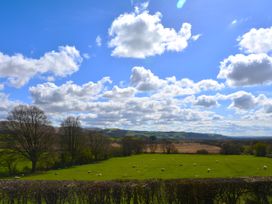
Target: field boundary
point(211, 190)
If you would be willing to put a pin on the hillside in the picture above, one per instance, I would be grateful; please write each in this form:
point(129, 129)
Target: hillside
point(159, 134)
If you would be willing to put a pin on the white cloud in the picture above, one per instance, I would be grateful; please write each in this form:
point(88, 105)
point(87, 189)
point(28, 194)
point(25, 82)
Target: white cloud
point(206, 101)
point(98, 41)
point(242, 70)
point(162, 108)
point(68, 96)
point(243, 100)
point(140, 35)
point(196, 37)
point(256, 40)
point(18, 69)
point(144, 80)
point(120, 93)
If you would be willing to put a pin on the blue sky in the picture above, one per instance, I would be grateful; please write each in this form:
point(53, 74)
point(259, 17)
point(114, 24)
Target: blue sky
point(194, 65)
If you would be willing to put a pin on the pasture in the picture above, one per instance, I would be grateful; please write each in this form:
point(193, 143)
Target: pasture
point(173, 166)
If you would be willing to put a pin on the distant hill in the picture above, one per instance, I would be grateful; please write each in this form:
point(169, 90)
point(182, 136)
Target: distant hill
point(159, 134)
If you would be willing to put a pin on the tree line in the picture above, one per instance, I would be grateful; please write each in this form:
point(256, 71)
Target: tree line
point(29, 135)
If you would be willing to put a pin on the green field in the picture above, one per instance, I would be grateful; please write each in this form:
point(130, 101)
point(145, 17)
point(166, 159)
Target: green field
point(149, 166)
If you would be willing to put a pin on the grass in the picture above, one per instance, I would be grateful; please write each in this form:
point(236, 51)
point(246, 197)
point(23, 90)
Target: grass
point(148, 166)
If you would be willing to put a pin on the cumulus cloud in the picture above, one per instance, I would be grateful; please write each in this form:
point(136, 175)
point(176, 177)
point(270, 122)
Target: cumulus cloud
point(120, 93)
point(144, 80)
point(68, 96)
point(140, 35)
point(206, 101)
point(243, 100)
point(18, 69)
point(256, 41)
point(246, 70)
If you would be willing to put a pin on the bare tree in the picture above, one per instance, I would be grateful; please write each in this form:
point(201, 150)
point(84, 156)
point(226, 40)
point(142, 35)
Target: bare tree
point(71, 136)
point(168, 147)
point(30, 133)
point(99, 145)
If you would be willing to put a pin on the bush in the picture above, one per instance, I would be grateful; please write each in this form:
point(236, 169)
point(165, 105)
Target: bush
point(260, 149)
point(255, 190)
point(202, 151)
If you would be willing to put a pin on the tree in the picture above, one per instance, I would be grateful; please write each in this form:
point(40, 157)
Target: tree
point(9, 159)
point(168, 147)
point(71, 137)
point(260, 149)
point(231, 148)
point(131, 145)
point(99, 145)
point(30, 133)
point(152, 144)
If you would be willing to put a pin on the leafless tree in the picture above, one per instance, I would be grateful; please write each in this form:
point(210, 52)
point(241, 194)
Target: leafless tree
point(71, 136)
point(99, 145)
point(168, 147)
point(30, 133)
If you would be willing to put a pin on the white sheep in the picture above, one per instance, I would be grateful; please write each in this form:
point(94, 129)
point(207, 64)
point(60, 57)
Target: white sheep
point(99, 174)
point(265, 167)
point(208, 170)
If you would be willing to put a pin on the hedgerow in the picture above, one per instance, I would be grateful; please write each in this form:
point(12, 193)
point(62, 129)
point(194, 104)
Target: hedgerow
point(189, 191)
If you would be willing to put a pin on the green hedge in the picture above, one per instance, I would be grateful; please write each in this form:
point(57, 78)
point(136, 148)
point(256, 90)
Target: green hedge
point(189, 191)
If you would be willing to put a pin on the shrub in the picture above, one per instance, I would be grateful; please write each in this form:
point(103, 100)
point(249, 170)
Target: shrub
point(202, 151)
point(255, 190)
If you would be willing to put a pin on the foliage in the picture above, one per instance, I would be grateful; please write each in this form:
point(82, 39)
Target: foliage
point(231, 148)
point(260, 149)
point(131, 145)
point(229, 191)
point(202, 151)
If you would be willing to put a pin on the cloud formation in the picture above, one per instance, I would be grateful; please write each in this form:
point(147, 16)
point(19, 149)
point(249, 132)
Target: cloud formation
point(256, 41)
point(246, 70)
point(140, 34)
point(18, 69)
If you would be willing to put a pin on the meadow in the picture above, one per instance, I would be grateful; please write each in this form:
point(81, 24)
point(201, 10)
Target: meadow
point(162, 166)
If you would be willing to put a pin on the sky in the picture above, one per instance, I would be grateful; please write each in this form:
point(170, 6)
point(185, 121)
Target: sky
point(164, 65)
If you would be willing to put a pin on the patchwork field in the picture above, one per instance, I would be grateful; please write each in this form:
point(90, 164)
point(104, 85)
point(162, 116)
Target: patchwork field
point(147, 166)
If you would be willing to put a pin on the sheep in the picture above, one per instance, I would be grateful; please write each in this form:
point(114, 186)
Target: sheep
point(208, 170)
point(162, 169)
point(99, 174)
point(17, 177)
point(265, 167)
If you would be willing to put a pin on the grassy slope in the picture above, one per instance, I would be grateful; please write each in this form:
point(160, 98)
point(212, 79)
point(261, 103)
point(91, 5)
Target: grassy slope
point(176, 166)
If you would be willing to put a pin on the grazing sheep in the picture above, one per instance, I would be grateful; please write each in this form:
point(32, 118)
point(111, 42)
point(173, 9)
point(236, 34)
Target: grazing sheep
point(17, 177)
point(99, 174)
point(162, 169)
point(208, 170)
point(265, 167)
